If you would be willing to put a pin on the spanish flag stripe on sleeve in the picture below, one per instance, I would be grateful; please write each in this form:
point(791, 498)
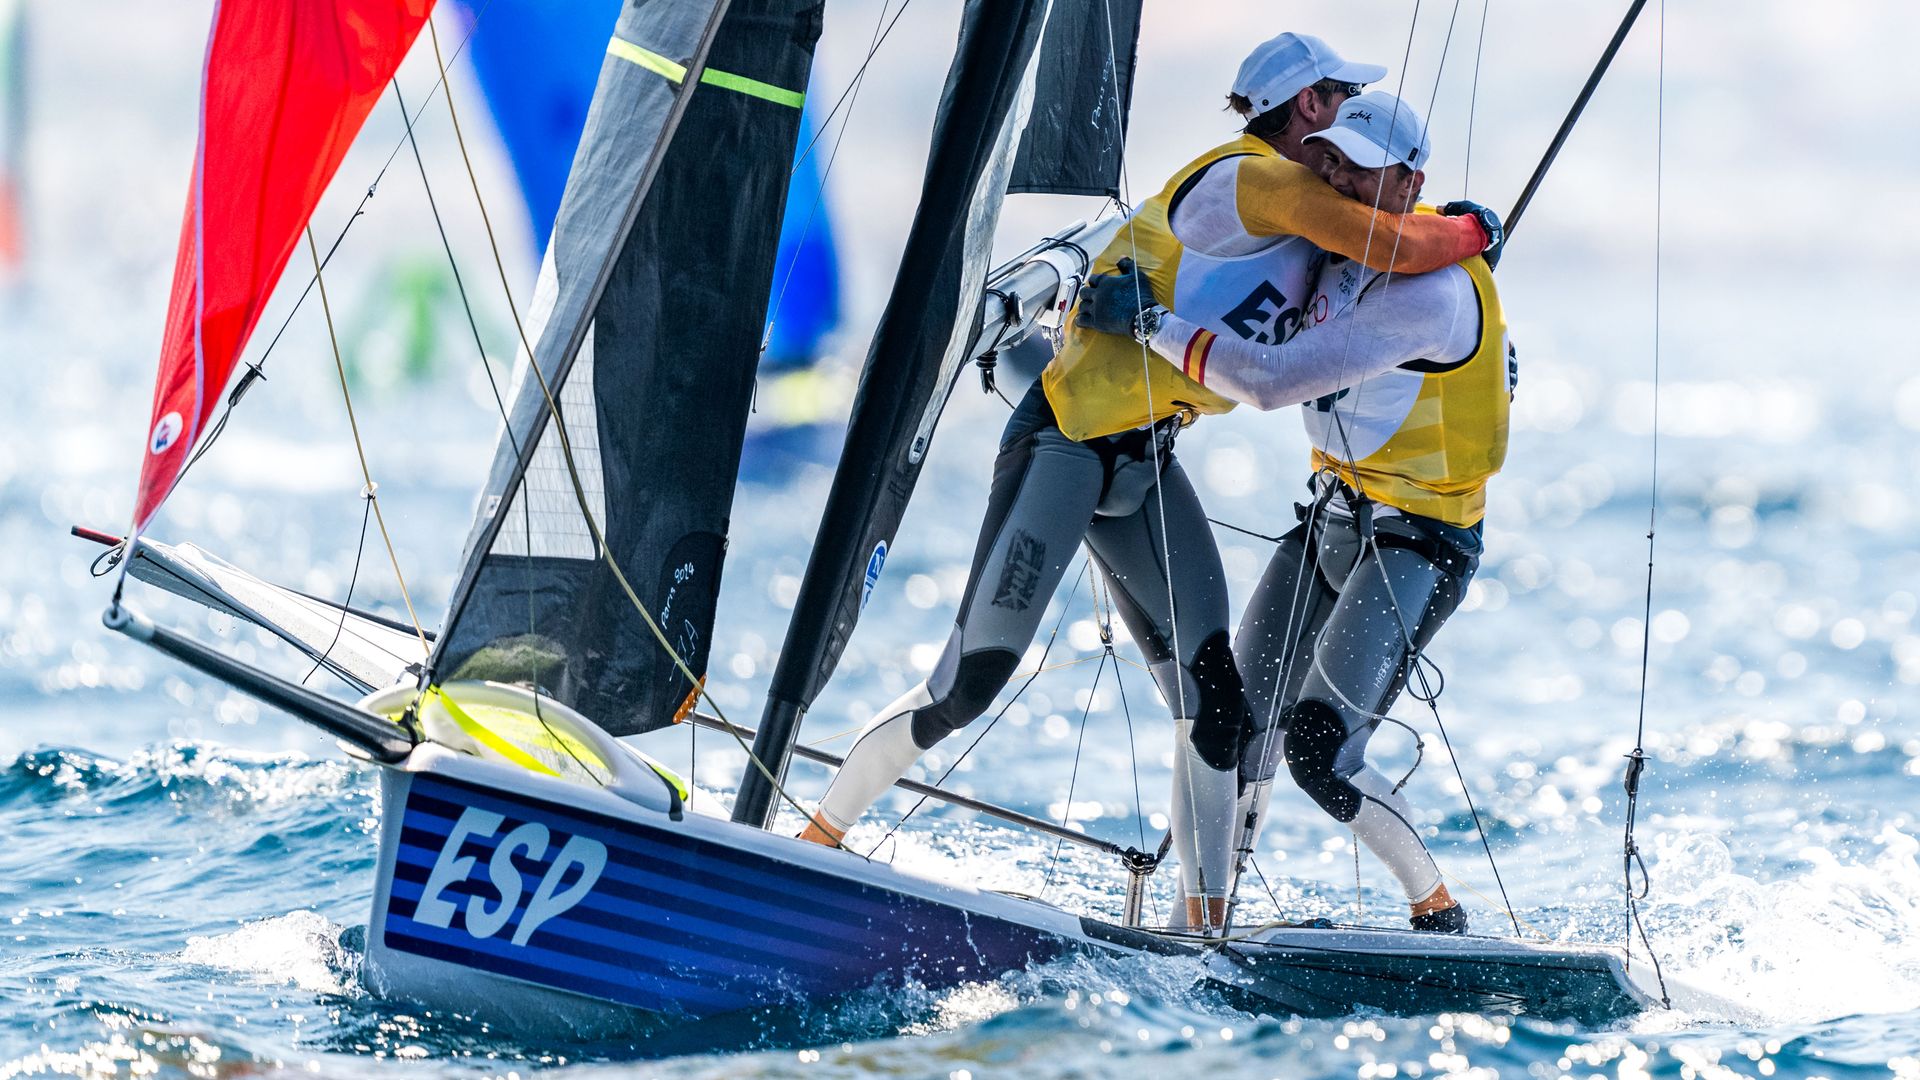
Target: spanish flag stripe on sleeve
point(1194, 364)
point(1202, 346)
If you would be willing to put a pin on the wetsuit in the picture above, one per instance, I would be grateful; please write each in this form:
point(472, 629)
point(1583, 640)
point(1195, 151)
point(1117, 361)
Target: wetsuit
point(1406, 397)
point(1077, 462)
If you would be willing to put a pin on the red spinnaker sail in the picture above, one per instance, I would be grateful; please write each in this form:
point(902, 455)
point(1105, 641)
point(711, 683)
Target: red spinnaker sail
point(287, 85)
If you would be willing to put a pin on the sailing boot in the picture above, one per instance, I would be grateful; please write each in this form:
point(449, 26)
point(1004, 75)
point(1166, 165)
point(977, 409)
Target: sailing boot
point(821, 831)
point(1439, 914)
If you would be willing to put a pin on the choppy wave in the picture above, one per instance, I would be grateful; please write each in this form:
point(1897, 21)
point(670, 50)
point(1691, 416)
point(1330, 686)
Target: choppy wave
point(176, 772)
point(1811, 964)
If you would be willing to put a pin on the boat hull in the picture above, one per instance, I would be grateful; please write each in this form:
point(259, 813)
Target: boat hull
point(541, 905)
point(544, 907)
point(1337, 971)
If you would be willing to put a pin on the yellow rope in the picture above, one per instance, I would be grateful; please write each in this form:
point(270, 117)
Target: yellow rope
point(370, 492)
point(1524, 924)
point(566, 452)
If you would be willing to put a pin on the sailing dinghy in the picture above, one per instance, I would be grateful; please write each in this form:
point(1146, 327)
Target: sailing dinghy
point(534, 870)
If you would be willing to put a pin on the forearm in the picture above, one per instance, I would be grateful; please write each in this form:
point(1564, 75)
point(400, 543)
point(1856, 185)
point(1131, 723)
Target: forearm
point(1310, 365)
point(1280, 198)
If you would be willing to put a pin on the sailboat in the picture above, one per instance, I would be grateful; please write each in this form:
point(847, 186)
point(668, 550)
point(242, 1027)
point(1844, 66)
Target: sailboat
point(534, 870)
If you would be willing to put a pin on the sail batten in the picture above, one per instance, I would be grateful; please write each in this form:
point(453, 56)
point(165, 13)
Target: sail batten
point(646, 329)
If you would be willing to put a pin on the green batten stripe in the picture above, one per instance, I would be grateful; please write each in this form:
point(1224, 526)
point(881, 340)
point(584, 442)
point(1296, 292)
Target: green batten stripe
point(652, 61)
point(660, 65)
point(752, 88)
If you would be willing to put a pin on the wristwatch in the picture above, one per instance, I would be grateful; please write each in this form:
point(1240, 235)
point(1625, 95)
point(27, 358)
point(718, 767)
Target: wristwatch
point(1147, 323)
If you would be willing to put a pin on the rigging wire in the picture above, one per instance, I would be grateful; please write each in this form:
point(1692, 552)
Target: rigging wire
point(1296, 613)
point(453, 265)
point(1473, 101)
point(359, 551)
point(1103, 608)
point(1147, 359)
point(499, 402)
point(1073, 777)
point(473, 325)
point(371, 491)
point(851, 96)
point(256, 371)
point(1296, 607)
point(1637, 759)
point(853, 85)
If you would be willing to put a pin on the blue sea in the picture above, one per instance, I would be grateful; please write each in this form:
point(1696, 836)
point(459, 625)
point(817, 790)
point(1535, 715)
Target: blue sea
point(185, 875)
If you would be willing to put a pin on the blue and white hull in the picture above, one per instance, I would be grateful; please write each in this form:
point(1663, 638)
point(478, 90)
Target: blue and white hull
point(539, 905)
point(528, 901)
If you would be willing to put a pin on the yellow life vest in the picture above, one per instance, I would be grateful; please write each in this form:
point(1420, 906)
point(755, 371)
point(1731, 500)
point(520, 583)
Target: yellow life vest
point(1451, 430)
point(1100, 384)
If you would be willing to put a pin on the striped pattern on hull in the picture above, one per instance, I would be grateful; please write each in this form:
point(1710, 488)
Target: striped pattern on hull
point(647, 916)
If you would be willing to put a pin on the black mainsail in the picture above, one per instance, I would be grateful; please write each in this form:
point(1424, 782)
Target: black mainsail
point(645, 326)
point(1076, 140)
point(928, 327)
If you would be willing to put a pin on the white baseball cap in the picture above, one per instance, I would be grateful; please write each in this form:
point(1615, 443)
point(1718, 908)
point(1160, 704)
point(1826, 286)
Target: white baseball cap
point(1376, 129)
point(1280, 68)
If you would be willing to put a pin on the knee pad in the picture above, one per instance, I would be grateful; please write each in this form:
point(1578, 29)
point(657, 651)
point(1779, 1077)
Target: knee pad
point(1315, 736)
point(1222, 723)
point(976, 679)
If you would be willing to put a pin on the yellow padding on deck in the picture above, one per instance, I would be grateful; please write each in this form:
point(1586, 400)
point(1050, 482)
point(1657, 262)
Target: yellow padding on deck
point(525, 731)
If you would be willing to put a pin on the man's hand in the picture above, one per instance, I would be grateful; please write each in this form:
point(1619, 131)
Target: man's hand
point(1108, 302)
point(1489, 223)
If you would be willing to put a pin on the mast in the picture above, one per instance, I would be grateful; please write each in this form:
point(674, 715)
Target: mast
point(928, 329)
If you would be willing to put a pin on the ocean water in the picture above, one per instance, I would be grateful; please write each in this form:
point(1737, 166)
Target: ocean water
point(185, 876)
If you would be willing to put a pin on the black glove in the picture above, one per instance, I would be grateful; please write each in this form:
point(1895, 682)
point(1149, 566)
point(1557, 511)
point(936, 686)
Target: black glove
point(1490, 221)
point(1108, 302)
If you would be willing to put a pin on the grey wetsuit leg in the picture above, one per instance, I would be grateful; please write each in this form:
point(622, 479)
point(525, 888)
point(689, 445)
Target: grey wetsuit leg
point(1139, 534)
point(1272, 648)
point(1045, 489)
point(1360, 662)
point(1287, 609)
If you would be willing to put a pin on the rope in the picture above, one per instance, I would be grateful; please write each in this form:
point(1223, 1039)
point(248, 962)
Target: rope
point(559, 428)
point(371, 491)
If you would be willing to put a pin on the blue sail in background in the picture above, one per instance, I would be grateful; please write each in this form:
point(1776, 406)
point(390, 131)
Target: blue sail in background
point(537, 62)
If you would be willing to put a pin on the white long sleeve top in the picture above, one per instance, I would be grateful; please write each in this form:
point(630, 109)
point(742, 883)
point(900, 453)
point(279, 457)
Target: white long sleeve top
point(1433, 316)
